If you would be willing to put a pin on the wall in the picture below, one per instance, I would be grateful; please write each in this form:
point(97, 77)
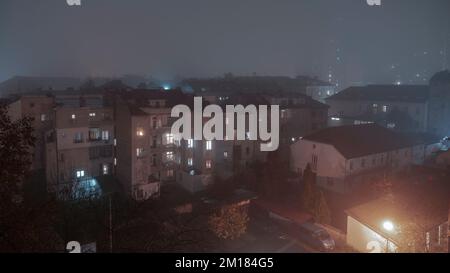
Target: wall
point(364, 239)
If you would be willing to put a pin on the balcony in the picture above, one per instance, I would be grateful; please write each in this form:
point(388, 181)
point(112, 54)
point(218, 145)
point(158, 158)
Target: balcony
point(142, 192)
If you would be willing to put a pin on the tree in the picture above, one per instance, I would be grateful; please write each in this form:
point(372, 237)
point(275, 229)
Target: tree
point(230, 222)
point(313, 199)
point(307, 195)
point(321, 213)
point(16, 141)
point(22, 227)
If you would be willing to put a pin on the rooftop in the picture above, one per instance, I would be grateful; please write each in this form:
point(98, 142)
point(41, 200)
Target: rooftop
point(405, 93)
point(354, 141)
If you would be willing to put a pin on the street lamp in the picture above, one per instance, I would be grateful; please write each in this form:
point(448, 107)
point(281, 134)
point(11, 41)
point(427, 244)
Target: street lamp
point(389, 227)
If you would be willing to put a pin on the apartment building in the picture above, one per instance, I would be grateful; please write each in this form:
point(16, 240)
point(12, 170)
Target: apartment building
point(439, 104)
point(346, 158)
point(149, 156)
point(80, 145)
point(299, 115)
point(398, 107)
point(38, 107)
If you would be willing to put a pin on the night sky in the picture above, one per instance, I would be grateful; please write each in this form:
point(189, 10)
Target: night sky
point(403, 40)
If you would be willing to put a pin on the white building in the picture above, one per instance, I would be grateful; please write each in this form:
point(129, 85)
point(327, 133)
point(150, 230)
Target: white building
point(375, 227)
point(347, 157)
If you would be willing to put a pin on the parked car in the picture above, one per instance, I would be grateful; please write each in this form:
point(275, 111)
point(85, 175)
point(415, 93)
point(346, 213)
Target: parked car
point(315, 236)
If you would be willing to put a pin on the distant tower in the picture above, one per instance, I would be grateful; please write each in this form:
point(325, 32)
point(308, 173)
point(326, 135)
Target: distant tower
point(439, 104)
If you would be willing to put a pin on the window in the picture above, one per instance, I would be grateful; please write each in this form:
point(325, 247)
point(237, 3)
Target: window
point(140, 132)
point(169, 138)
point(94, 134)
point(74, 116)
point(247, 150)
point(92, 114)
point(80, 173)
point(105, 135)
point(385, 108)
point(169, 156)
point(190, 143)
point(115, 161)
point(140, 152)
point(105, 169)
point(78, 138)
point(169, 173)
point(43, 117)
point(225, 154)
point(209, 145)
point(190, 161)
point(208, 164)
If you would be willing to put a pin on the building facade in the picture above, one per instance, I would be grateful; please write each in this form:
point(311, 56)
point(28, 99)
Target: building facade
point(80, 145)
point(347, 158)
point(398, 107)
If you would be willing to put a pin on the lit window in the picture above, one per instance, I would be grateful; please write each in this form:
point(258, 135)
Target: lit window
point(105, 169)
point(43, 117)
point(208, 164)
point(74, 116)
point(139, 152)
point(115, 161)
point(385, 108)
point(225, 154)
point(94, 134)
point(169, 156)
point(190, 161)
point(80, 173)
point(92, 114)
point(190, 143)
point(209, 145)
point(140, 132)
point(169, 138)
point(115, 142)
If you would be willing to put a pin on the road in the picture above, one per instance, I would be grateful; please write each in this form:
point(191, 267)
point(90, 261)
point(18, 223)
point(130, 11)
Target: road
point(264, 236)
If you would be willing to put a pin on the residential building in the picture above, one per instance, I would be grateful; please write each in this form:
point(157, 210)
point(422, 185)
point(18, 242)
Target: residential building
point(398, 107)
point(320, 91)
point(439, 105)
point(79, 146)
point(347, 158)
point(40, 109)
point(377, 226)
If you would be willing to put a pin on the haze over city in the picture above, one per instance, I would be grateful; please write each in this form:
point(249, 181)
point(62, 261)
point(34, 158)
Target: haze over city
point(346, 42)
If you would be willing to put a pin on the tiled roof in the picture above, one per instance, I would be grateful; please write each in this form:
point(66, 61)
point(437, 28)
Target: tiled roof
point(360, 140)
